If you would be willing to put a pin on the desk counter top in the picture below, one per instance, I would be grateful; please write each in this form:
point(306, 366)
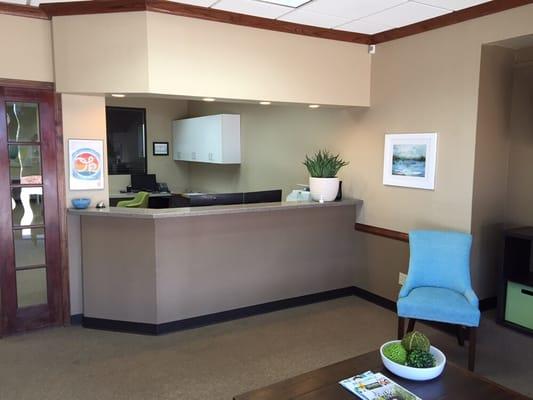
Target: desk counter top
point(148, 213)
point(129, 195)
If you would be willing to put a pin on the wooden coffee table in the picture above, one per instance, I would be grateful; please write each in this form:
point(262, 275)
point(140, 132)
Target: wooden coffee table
point(455, 383)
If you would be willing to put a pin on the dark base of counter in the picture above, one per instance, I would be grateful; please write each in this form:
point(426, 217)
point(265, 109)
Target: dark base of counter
point(224, 316)
point(196, 322)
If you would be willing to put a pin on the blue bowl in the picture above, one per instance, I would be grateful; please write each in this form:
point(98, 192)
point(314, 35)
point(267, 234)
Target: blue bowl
point(81, 203)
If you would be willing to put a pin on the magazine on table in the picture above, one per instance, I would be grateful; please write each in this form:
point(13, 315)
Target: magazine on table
point(376, 386)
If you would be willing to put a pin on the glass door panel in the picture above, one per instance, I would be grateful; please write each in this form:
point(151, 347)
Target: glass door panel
point(25, 164)
point(29, 247)
point(22, 122)
point(31, 287)
point(27, 207)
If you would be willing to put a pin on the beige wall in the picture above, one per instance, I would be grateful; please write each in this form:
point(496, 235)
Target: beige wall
point(26, 45)
point(519, 207)
point(101, 53)
point(195, 57)
point(491, 161)
point(83, 118)
point(145, 52)
point(274, 141)
point(159, 116)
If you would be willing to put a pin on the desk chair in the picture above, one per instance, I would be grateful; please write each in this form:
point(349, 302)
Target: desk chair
point(438, 286)
point(139, 201)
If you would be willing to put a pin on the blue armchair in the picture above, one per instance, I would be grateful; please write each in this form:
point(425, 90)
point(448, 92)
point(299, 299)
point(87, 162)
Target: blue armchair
point(438, 286)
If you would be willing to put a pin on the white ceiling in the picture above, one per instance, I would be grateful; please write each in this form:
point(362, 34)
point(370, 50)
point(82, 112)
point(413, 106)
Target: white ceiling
point(360, 16)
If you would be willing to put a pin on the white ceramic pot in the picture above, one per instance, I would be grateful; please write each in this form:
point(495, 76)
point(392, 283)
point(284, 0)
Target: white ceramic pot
point(415, 374)
point(324, 189)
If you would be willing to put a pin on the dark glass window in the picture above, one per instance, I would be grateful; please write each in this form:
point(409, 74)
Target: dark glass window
point(126, 140)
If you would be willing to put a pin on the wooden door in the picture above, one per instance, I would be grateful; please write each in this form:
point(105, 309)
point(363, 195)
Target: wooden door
point(30, 248)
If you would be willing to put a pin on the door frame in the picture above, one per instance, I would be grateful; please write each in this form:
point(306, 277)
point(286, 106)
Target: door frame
point(62, 306)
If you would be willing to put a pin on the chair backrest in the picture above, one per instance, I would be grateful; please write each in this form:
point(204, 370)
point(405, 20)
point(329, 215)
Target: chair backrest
point(142, 198)
point(439, 259)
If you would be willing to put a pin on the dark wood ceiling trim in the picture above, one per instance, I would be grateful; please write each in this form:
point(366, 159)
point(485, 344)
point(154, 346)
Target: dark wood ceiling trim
point(211, 14)
point(20, 83)
point(22, 11)
point(187, 10)
point(387, 233)
point(92, 7)
point(456, 17)
point(164, 6)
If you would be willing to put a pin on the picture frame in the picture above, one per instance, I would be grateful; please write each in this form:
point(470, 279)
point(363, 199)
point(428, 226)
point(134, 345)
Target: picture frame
point(86, 164)
point(410, 160)
point(160, 148)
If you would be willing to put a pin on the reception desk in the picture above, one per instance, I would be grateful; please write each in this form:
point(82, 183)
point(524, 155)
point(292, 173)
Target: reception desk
point(154, 271)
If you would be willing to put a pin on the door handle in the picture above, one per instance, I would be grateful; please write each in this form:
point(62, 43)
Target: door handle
point(527, 292)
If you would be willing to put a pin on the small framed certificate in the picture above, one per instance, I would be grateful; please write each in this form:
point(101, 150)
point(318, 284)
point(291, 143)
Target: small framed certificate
point(160, 148)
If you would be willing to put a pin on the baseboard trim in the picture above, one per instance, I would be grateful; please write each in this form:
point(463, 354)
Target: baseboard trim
point(224, 316)
point(230, 315)
point(374, 298)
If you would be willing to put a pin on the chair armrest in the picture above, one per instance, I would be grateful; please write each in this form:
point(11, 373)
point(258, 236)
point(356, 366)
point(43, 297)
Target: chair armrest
point(471, 297)
point(404, 291)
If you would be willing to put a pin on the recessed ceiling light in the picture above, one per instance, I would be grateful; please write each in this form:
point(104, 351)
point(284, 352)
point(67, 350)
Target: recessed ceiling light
point(265, 103)
point(314, 105)
point(288, 3)
point(118, 95)
point(209, 99)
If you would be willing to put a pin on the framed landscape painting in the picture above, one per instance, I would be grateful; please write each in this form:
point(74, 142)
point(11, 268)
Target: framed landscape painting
point(410, 160)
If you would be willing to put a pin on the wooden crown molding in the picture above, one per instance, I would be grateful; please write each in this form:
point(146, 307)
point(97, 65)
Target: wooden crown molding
point(50, 10)
point(20, 83)
point(19, 10)
point(387, 233)
point(93, 7)
point(481, 10)
point(210, 14)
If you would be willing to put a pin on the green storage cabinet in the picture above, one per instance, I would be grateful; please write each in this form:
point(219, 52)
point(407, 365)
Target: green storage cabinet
point(519, 305)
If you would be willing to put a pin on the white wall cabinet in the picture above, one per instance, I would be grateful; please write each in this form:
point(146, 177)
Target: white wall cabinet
point(212, 139)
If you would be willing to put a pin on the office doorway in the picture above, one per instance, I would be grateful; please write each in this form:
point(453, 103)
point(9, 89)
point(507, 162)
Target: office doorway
point(30, 246)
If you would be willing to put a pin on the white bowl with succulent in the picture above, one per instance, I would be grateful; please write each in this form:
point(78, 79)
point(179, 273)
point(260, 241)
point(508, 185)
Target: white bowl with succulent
point(413, 357)
point(323, 181)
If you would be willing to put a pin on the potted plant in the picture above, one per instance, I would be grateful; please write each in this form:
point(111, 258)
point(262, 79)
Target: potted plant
point(323, 168)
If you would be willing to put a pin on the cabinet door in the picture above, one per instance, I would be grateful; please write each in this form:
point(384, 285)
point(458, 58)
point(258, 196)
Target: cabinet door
point(203, 139)
point(210, 145)
point(231, 139)
point(181, 146)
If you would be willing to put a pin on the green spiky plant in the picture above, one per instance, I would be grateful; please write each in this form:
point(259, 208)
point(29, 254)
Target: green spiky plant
point(324, 164)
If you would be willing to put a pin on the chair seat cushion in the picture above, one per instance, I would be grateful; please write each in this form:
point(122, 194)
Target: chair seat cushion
point(438, 304)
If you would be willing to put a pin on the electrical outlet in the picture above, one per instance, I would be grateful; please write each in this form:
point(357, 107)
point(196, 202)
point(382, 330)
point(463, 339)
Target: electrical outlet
point(401, 278)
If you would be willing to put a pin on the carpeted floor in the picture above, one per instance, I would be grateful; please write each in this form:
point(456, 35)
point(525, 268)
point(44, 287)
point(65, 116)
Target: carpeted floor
point(219, 361)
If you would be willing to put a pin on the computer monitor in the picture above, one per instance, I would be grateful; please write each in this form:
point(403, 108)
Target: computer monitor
point(145, 182)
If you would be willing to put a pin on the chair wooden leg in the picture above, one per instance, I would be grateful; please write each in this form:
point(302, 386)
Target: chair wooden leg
point(472, 349)
point(411, 325)
point(401, 327)
point(460, 335)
